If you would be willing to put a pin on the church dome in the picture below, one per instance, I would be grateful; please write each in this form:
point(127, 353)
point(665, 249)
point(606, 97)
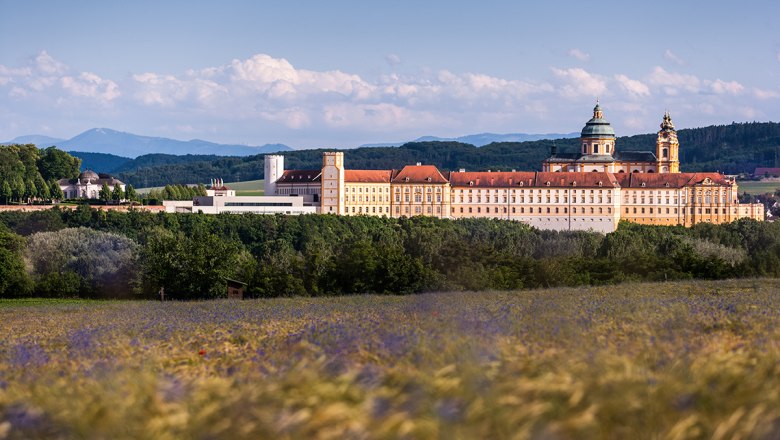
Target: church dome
point(88, 175)
point(597, 127)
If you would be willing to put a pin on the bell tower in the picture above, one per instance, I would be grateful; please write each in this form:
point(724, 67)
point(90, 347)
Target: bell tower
point(667, 148)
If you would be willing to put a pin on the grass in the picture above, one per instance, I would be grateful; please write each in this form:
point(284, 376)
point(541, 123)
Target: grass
point(675, 360)
point(758, 187)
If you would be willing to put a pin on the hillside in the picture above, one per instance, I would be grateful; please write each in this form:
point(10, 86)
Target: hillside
point(100, 162)
point(730, 149)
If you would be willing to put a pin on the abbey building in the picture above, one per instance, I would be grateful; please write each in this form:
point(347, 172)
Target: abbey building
point(593, 189)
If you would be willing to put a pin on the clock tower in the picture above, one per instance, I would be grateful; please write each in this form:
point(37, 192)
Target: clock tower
point(667, 147)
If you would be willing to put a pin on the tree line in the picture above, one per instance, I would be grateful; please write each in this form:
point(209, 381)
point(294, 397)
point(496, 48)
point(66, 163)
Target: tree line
point(28, 174)
point(92, 253)
point(732, 149)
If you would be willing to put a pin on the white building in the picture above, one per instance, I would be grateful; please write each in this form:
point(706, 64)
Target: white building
point(88, 185)
point(241, 205)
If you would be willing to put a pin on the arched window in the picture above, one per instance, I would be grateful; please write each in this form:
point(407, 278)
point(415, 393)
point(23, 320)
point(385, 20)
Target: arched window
point(665, 153)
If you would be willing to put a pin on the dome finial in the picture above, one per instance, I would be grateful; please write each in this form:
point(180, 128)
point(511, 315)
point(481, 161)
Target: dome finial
point(597, 113)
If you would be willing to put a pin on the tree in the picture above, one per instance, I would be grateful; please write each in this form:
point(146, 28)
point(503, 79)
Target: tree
point(30, 190)
point(43, 189)
point(117, 193)
point(84, 261)
point(57, 164)
point(14, 281)
point(17, 188)
point(193, 265)
point(130, 193)
point(5, 191)
point(105, 193)
point(55, 192)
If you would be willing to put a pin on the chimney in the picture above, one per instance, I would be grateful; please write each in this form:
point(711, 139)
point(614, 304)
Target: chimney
point(553, 150)
point(419, 164)
point(462, 170)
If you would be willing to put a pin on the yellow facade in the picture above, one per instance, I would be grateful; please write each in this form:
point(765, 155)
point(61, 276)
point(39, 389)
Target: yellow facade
point(367, 198)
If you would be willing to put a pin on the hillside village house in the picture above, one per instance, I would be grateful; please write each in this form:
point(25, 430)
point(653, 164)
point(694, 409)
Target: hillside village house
point(590, 190)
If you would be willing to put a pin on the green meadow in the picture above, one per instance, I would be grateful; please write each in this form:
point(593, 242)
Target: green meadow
point(677, 360)
point(758, 187)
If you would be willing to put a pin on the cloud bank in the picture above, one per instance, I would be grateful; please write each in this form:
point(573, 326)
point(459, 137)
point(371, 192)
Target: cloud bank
point(261, 96)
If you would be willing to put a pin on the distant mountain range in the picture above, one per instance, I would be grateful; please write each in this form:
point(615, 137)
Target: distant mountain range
point(482, 139)
point(118, 143)
point(104, 140)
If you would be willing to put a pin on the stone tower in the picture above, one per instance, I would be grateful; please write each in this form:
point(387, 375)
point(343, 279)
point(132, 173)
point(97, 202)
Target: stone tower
point(332, 183)
point(667, 148)
point(274, 168)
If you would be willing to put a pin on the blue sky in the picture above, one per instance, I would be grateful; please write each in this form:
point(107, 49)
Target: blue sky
point(341, 73)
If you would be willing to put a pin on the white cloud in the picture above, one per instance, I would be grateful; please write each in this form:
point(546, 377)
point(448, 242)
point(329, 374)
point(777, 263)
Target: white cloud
point(91, 86)
point(578, 82)
point(765, 94)
point(48, 65)
point(393, 59)
point(748, 112)
point(580, 55)
point(47, 77)
point(670, 56)
point(672, 83)
point(722, 87)
point(632, 86)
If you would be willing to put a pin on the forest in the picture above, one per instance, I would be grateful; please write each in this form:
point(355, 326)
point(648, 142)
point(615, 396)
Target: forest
point(89, 253)
point(732, 149)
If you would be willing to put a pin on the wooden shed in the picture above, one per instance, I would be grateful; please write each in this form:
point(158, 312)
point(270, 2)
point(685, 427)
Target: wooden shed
point(235, 289)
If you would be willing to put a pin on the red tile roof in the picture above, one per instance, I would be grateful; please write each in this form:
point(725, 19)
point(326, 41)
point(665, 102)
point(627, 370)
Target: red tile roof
point(533, 179)
point(368, 176)
point(668, 180)
point(418, 174)
point(761, 172)
point(296, 176)
point(492, 179)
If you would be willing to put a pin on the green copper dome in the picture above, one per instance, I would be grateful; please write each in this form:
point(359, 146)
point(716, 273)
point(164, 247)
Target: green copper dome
point(597, 127)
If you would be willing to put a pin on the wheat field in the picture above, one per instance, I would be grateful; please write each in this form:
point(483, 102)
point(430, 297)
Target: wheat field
point(673, 361)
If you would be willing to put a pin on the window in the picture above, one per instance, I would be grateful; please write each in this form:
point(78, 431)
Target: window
point(595, 149)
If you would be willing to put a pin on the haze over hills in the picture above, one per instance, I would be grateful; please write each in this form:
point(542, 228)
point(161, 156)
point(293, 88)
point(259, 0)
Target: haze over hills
point(118, 143)
point(481, 139)
point(104, 140)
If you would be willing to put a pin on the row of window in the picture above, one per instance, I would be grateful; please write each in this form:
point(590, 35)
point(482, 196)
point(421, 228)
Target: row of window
point(373, 189)
point(522, 210)
point(675, 211)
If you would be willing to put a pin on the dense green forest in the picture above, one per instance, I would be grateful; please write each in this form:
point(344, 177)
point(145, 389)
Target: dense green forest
point(732, 149)
point(28, 174)
point(91, 253)
point(100, 162)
